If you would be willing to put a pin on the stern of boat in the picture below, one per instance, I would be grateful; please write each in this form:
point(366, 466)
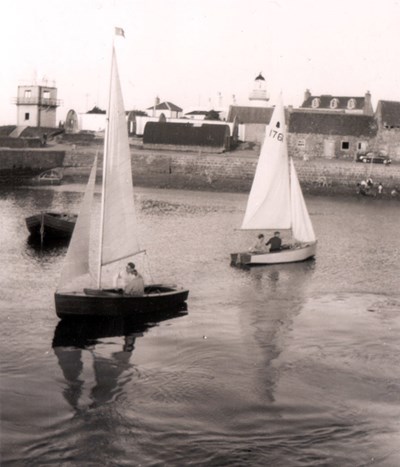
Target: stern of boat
point(240, 259)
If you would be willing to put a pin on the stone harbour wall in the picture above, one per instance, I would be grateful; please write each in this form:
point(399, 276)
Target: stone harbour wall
point(19, 165)
point(230, 172)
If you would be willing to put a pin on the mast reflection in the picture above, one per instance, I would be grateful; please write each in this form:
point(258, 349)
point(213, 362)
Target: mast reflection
point(75, 341)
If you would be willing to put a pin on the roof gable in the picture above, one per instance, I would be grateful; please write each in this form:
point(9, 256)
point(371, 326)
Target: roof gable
point(166, 106)
point(248, 114)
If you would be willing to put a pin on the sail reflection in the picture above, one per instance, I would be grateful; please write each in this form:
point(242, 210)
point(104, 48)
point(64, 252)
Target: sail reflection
point(75, 342)
point(280, 290)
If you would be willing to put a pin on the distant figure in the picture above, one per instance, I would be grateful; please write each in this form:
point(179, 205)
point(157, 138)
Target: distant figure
point(130, 281)
point(370, 183)
point(259, 246)
point(275, 242)
point(362, 187)
point(394, 192)
point(380, 188)
point(44, 139)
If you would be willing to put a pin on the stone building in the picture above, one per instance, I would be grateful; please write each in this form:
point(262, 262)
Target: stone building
point(330, 135)
point(388, 120)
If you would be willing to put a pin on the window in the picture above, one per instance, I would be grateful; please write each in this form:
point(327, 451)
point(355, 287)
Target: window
point(315, 103)
point(334, 103)
point(27, 93)
point(46, 94)
point(345, 145)
point(301, 143)
point(362, 145)
point(351, 104)
point(27, 116)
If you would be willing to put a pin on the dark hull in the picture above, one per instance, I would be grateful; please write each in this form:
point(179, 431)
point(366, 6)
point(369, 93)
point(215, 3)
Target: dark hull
point(157, 298)
point(55, 225)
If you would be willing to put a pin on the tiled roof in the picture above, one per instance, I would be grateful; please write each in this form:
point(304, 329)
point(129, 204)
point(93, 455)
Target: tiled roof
point(332, 124)
point(250, 114)
point(342, 102)
point(389, 113)
point(166, 106)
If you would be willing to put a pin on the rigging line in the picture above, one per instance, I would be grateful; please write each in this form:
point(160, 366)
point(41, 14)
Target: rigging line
point(148, 268)
point(122, 257)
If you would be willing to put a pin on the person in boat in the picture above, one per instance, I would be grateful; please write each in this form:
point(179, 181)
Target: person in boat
point(130, 281)
point(259, 246)
point(275, 242)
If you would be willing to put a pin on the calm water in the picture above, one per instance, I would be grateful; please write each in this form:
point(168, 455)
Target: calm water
point(294, 365)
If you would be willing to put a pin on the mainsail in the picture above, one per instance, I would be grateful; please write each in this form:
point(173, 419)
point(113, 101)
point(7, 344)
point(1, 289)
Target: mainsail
point(276, 200)
point(268, 206)
point(76, 263)
point(119, 226)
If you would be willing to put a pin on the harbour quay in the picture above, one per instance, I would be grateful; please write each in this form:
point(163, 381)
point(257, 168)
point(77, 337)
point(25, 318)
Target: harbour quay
point(233, 171)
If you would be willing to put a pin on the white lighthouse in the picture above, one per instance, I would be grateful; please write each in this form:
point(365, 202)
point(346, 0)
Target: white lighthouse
point(258, 96)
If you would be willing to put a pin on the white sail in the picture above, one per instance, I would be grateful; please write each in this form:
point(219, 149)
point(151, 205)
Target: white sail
point(76, 263)
point(302, 228)
point(268, 206)
point(119, 220)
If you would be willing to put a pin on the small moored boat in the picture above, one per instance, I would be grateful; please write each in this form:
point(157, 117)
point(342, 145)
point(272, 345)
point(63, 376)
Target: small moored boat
point(51, 224)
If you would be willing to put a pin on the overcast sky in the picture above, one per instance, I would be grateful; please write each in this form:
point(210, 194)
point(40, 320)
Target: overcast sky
point(189, 51)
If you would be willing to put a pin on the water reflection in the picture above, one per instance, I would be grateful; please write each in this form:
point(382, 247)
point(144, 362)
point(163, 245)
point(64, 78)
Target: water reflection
point(76, 340)
point(277, 295)
point(34, 242)
point(294, 275)
point(46, 251)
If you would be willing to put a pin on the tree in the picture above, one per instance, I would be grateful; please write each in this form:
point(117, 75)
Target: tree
point(212, 115)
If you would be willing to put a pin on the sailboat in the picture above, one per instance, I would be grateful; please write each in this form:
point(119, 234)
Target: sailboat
point(116, 239)
point(276, 201)
point(51, 225)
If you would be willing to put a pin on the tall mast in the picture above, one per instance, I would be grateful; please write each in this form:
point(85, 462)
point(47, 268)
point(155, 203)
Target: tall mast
point(105, 157)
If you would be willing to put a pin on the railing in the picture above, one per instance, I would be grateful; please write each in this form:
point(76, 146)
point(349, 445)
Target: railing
point(37, 101)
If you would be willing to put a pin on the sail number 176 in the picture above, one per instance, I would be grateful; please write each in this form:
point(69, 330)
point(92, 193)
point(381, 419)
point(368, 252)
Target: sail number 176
point(276, 134)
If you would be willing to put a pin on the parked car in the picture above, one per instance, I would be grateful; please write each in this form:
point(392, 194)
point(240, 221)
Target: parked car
point(375, 157)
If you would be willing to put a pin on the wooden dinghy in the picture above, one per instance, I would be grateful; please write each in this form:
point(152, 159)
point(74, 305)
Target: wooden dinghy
point(51, 224)
point(290, 255)
point(117, 235)
point(276, 202)
point(113, 303)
